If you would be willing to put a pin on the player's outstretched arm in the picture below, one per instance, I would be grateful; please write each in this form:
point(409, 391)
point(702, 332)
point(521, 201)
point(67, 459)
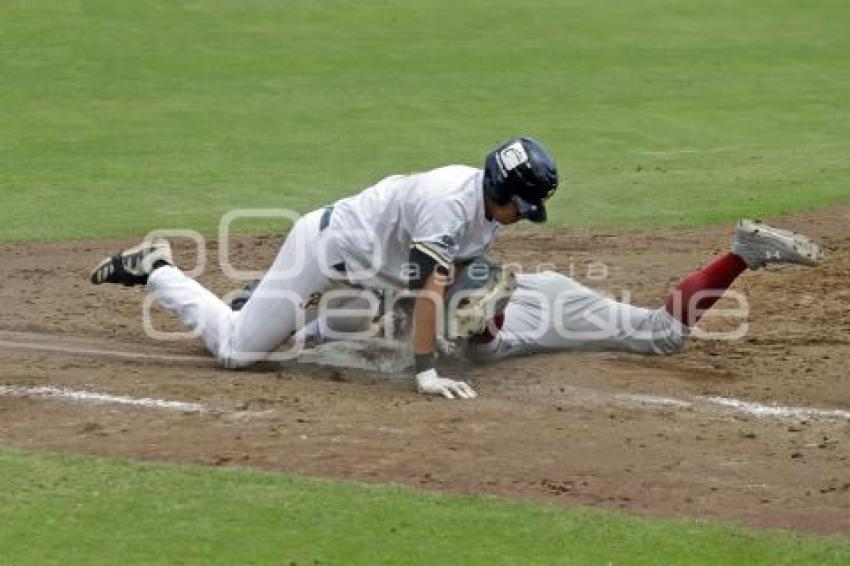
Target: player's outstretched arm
point(424, 336)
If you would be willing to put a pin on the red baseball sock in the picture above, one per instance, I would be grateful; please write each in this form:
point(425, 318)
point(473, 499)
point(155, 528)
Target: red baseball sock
point(708, 283)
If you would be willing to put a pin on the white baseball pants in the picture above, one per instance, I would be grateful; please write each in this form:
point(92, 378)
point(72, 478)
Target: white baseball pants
point(551, 312)
point(276, 309)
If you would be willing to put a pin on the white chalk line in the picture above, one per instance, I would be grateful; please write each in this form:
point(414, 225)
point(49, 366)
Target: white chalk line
point(96, 398)
point(651, 400)
point(761, 410)
point(14, 345)
point(734, 405)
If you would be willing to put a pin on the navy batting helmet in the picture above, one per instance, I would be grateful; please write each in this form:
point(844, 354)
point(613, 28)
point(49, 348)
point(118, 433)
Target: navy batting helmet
point(522, 171)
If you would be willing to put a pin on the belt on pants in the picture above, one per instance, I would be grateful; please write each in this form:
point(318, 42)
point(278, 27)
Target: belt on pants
point(324, 222)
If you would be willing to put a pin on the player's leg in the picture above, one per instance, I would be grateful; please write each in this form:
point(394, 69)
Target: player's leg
point(278, 305)
point(665, 330)
point(551, 312)
point(585, 320)
point(571, 317)
point(755, 245)
point(698, 292)
point(582, 319)
point(237, 339)
point(196, 307)
point(151, 264)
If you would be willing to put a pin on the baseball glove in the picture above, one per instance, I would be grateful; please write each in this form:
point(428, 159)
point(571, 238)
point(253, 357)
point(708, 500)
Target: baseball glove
point(480, 291)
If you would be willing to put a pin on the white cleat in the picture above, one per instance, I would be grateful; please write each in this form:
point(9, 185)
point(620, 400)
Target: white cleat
point(759, 244)
point(134, 265)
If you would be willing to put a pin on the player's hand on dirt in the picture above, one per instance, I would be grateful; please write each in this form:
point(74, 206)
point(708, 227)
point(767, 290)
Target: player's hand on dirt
point(429, 382)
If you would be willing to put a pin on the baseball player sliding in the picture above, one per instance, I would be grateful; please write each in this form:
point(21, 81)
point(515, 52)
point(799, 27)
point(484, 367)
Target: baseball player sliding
point(403, 232)
point(550, 312)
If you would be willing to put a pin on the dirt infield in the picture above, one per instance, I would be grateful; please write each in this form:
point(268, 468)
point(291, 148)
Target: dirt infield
point(612, 430)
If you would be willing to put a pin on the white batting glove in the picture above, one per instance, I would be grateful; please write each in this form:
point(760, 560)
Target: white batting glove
point(431, 383)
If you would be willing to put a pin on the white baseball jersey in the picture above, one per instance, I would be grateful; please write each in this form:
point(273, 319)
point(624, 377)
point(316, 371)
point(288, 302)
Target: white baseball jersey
point(440, 212)
point(552, 312)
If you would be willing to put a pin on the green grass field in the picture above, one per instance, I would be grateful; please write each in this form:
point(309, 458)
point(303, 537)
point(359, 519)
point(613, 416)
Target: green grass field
point(119, 117)
point(80, 510)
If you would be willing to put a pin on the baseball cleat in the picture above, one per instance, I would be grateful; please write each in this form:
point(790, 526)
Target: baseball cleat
point(759, 244)
point(134, 265)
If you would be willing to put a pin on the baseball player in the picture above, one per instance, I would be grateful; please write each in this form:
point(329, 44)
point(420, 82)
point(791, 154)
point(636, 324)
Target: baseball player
point(404, 231)
point(551, 312)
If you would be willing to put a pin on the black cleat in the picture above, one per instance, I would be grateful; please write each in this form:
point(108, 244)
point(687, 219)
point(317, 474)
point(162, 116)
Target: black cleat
point(134, 265)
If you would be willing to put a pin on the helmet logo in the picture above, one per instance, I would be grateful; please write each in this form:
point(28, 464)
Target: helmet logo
point(513, 156)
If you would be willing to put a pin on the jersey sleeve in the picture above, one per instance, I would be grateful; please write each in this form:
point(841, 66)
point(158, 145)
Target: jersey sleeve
point(438, 229)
